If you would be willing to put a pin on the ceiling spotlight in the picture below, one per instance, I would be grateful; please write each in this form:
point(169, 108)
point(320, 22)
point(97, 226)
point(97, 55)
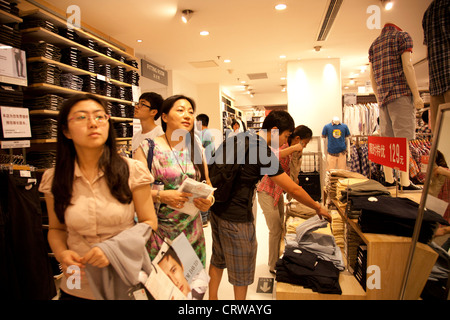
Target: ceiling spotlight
point(280, 7)
point(388, 4)
point(186, 15)
point(317, 48)
point(204, 33)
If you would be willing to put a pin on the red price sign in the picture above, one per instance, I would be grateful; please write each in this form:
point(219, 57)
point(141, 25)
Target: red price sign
point(389, 152)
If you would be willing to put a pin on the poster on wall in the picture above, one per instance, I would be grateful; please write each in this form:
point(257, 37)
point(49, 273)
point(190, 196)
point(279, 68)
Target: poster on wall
point(13, 66)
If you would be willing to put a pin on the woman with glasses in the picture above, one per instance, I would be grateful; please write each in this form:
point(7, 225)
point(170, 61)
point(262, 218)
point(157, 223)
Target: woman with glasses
point(177, 154)
point(92, 194)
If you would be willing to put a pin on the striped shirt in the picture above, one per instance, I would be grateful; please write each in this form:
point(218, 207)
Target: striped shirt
point(385, 55)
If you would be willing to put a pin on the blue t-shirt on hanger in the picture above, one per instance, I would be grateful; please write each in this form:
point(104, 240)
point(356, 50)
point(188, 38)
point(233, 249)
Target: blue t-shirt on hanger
point(336, 134)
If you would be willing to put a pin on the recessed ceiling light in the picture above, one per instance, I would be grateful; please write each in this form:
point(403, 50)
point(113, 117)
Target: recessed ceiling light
point(282, 56)
point(280, 7)
point(283, 78)
point(204, 33)
point(227, 60)
point(139, 41)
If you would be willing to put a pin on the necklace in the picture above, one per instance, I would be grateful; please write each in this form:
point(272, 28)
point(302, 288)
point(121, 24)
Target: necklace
point(176, 158)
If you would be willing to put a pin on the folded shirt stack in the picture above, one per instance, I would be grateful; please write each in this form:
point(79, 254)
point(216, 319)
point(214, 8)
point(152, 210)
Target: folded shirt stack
point(395, 216)
point(42, 49)
point(41, 72)
point(11, 96)
point(44, 129)
point(51, 102)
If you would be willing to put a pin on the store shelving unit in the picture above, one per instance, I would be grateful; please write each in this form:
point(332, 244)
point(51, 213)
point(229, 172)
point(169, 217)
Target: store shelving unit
point(36, 34)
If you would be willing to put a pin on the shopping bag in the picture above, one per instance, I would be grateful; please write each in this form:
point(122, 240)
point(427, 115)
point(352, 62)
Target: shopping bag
point(178, 273)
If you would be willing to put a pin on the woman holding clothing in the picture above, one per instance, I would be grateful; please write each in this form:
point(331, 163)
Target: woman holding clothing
point(177, 155)
point(92, 194)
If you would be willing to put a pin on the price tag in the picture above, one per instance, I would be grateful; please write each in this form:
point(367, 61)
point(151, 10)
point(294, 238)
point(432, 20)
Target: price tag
point(389, 152)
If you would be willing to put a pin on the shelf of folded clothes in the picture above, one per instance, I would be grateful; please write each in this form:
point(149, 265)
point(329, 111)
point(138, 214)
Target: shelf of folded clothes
point(50, 88)
point(7, 17)
point(54, 38)
point(77, 34)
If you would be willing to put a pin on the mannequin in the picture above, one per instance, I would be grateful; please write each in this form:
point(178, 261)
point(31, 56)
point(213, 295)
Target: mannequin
point(394, 85)
point(435, 23)
point(337, 133)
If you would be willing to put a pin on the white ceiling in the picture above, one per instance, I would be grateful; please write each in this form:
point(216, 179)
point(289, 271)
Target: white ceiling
point(251, 33)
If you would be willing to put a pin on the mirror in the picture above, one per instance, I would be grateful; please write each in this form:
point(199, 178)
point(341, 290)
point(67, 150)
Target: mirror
point(435, 196)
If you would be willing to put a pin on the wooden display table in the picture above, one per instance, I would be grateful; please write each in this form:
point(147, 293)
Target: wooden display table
point(390, 254)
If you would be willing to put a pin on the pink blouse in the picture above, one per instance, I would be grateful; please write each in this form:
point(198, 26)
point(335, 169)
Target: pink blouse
point(95, 215)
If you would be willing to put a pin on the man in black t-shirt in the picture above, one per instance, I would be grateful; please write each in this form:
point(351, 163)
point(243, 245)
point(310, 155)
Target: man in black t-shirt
point(233, 229)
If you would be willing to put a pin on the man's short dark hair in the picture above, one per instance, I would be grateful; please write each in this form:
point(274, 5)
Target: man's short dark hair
point(280, 119)
point(155, 100)
point(204, 119)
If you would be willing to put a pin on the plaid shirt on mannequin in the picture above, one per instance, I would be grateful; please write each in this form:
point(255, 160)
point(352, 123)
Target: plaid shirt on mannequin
point(385, 55)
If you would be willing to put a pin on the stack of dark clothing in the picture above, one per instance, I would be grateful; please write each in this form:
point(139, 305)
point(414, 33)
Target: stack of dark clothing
point(107, 89)
point(124, 93)
point(41, 72)
point(34, 23)
point(9, 6)
point(118, 73)
point(9, 35)
point(44, 129)
point(72, 57)
point(121, 110)
point(90, 84)
point(363, 189)
point(107, 51)
point(42, 160)
point(71, 81)
point(89, 64)
point(42, 49)
point(105, 69)
point(361, 266)
point(123, 130)
point(91, 44)
point(69, 34)
point(311, 259)
point(301, 267)
point(132, 63)
point(10, 96)
point(51, 102)
point(132, 77)
point(395, 216)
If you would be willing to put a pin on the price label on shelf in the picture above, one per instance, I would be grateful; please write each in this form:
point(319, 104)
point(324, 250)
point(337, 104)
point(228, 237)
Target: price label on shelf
point(390, 152)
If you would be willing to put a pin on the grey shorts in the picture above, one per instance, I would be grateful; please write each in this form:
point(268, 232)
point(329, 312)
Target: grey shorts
point(234, 247)
point(398, 119)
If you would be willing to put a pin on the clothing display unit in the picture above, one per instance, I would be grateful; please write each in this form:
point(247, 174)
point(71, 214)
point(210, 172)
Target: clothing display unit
point(75, 61)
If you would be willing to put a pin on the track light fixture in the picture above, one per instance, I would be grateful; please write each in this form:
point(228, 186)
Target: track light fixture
point(186, 15)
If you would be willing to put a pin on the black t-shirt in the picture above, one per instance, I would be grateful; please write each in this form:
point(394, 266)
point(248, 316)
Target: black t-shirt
point(259, 161)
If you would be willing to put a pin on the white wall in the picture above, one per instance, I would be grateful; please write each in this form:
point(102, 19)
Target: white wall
point(314, 92)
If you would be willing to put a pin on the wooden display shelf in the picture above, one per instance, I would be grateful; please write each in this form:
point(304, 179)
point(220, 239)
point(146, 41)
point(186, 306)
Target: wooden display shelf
point(390, 254)
point(76, 71)
point(31, 34)
point(50, 88)
point(6, 17)
point(351, 290)
point(58, 22)
point(56, 113)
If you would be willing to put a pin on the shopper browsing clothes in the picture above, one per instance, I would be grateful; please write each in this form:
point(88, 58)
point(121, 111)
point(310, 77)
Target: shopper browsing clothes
point(394, 84)
point(233, 230)
point(92, 194)
point(176, 157)
point(270, 195)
